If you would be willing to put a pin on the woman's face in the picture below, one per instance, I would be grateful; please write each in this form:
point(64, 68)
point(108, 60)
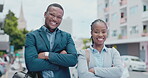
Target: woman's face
point(99, 33)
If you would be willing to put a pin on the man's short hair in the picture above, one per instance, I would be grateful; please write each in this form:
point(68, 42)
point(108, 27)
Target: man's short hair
point(55, 5)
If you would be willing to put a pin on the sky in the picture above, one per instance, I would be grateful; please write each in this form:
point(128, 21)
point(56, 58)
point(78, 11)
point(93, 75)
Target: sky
point(82, 12)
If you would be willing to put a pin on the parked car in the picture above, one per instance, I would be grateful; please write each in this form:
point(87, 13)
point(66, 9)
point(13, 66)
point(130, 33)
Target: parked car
point(3, 65)
point(2, 70)
point(125, 73)
point(134, 63)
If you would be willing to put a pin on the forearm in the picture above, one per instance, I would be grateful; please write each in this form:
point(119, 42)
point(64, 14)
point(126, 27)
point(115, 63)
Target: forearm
point(40, 65)
point(114, 72)
point(33, 63)
point(66, 60)
point(83, 70)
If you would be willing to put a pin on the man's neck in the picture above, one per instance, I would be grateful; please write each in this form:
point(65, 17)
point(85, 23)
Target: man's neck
point(51, 30)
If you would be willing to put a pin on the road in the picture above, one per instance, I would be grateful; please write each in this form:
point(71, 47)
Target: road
point(136, 74)
point(9, 72)
point(133, 74)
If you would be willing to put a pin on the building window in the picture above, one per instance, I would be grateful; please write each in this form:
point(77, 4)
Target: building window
point(114, 16)
point(122, 15)
point(133, 10)
point(100, 8)
point(1, 7)
point(113, 2)
point(107, 18)
point(134, 30)
point(114, 34)
point(144, 7)
point(145, 28)
point(106, 3)
point(124, 31)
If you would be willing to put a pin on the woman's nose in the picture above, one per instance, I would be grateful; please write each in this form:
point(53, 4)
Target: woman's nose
point(100, 34)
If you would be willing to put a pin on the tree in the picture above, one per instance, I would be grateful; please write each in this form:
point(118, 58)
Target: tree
point(85, 41)
point(17, 37)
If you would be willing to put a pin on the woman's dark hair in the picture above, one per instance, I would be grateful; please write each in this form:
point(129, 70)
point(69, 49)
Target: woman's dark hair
point(92, 24)
point(55, 5)
point(98, 20)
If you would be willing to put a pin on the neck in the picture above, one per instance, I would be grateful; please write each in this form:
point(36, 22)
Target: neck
point(98, 47)
point(51, 30)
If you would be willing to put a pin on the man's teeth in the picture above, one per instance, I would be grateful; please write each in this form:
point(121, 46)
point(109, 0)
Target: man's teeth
point(53, 23)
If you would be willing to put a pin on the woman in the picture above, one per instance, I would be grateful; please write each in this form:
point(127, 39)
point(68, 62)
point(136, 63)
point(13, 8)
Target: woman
point(103, 62)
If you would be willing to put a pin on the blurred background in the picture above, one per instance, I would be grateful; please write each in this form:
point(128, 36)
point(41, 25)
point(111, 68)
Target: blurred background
point(127, 21)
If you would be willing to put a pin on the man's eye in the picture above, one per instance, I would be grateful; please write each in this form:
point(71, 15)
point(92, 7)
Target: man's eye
point(59, 17)
point(51, 14)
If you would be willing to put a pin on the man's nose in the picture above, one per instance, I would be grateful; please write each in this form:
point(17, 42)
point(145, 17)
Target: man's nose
point(55, 18)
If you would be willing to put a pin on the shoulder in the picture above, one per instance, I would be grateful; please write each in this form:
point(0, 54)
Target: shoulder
point(33, 32)
point(83, 52)
point(114, 51)
point(64, 33)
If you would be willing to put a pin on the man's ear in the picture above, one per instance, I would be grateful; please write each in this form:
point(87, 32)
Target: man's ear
point(44, 14)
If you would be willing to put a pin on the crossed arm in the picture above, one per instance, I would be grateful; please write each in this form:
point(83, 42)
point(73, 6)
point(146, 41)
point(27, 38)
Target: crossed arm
point(43, 56)
point(114, 71)
point(38, 62)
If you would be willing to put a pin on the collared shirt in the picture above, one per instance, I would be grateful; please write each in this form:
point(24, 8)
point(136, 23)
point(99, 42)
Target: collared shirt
point(98, 56)
point(51, 38)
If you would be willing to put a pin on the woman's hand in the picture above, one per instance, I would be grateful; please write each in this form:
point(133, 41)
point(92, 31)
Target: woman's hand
point(92, 70)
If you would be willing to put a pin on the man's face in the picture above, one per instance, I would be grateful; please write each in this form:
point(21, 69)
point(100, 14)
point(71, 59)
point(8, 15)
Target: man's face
point(53, 18)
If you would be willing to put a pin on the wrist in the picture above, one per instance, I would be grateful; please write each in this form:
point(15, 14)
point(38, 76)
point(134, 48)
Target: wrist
point(46, 54)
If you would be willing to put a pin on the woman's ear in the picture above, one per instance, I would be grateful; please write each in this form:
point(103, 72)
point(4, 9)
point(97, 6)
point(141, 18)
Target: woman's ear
point(91, 32)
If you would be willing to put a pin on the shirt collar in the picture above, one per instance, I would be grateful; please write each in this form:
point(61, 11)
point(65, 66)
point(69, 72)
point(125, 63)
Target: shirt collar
point(94, 50)
point(46, 30)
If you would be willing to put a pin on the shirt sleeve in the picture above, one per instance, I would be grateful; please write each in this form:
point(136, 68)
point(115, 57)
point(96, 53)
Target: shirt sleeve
point(111, 72)
point(83, 68)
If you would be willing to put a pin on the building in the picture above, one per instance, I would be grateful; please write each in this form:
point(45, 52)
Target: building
point(66, 25)
point(128, 25)
point(21, 20)
point(4, 38)
point(1, 16)
point(4, 42)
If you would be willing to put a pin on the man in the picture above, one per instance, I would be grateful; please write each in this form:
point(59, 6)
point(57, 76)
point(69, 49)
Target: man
point(49, 52)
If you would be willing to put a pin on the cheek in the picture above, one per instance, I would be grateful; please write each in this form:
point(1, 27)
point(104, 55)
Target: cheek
point(60, 20)
point(106, 35)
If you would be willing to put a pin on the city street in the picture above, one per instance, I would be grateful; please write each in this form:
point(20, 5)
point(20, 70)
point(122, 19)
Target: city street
point(11, 72)
point(133, 74)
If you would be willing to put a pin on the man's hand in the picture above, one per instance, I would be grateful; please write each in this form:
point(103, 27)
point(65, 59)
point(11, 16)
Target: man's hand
point(63, 52)
point(41, 55)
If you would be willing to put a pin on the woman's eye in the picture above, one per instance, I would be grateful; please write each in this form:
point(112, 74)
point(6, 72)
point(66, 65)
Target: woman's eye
point(96, 32)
